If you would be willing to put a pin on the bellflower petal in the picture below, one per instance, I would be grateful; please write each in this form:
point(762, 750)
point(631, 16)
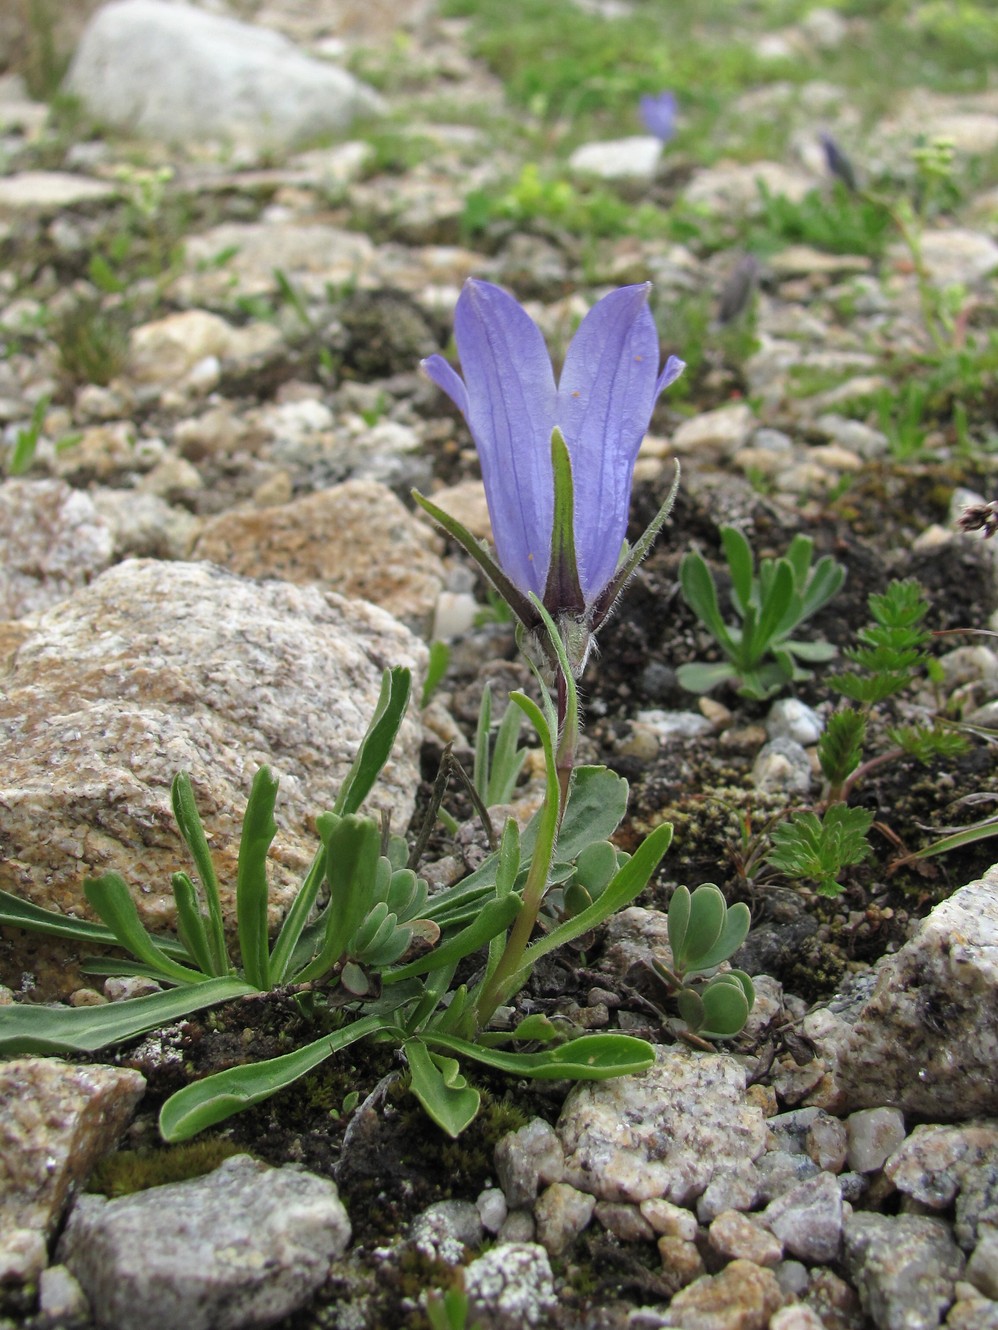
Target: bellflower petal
point(511, 408)
point(608, 388)
point(592, 424)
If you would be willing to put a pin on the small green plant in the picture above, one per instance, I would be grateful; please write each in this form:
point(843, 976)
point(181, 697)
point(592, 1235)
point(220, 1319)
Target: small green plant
point(26, 439)
point(890, 657)
point(92, 342)
point(449, 1310)
point(810, 848)
point(839, 222)
point(818, 845)
point(703, 933)
point(377, 960)
point(762, 657)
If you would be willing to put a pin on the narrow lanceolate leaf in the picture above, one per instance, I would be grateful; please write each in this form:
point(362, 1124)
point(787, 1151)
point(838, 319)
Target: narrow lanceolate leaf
point(23, 914)
point(216, 1098)
point(738, 553)
point(110, 897)
point(492, 918)
point(259, 829)
point(378, 741)
point(630, 879)
point(191, 923)
point(591, 1057)
point(353, 847)
point(26, 1028)
point(189, 821)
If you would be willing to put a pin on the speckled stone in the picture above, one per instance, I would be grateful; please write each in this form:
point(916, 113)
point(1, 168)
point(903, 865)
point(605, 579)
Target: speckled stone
point(664, 1133)
point(241, 1247)
point(56, 1122)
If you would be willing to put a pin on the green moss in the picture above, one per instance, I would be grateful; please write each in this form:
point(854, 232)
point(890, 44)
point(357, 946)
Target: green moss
point(128, 1171)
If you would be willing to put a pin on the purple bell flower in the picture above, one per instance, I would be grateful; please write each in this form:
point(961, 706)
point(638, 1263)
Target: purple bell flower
point(658, 114)
point(559, 526)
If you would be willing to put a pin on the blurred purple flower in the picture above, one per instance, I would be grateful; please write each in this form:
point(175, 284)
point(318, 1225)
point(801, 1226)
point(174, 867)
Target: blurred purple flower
point(838, 163)
point(602, 406)
point(658, 113)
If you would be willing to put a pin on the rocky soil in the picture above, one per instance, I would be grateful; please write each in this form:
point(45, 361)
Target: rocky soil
point(212, 317)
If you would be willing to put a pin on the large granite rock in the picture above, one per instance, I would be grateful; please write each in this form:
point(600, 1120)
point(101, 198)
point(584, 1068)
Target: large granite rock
point(176, 73)
point(356, 538)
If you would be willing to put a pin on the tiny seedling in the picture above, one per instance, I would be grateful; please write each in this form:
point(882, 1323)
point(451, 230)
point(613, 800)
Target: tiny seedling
point(703, 933)
point(816, 849)
point(762, 656)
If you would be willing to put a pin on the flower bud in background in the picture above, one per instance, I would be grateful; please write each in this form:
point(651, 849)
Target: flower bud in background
point(838, 163)
point(658, 114)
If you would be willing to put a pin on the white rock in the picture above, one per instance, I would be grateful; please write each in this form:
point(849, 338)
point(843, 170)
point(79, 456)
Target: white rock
point(790, 718)
point(718, 433)
point(54, 542)
point(666, 1133)
point(633, 158)
point(958, 257)
point(176, 73)
point(735, 186)
point(50, 191)
point(511, 1286)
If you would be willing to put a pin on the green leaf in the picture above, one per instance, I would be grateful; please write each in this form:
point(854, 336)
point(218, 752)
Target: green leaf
point(595, 866)
point(738, 553)
point(353, 846)
point(591, 1057)
point(192, 830)
point(217, 1097)
point(596, 805)
point(480, 766)
point(252, 892)
point(825, 582)
point(492, 918)
point(707, 913)
point(725, 1008)
point(700, 593)
point(23, 914)
point(437, 1083)
point(110, 897)
point(436, 668)
point(282, 956)
point(191, 923)
point(678, 921)
point(840, 747)
point(737, 921)
point(629, 880)
point(701, 676)
point(815, 653)
point(25, 1028)
point(774, 607)
point(378, 741)
point(507, 759)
